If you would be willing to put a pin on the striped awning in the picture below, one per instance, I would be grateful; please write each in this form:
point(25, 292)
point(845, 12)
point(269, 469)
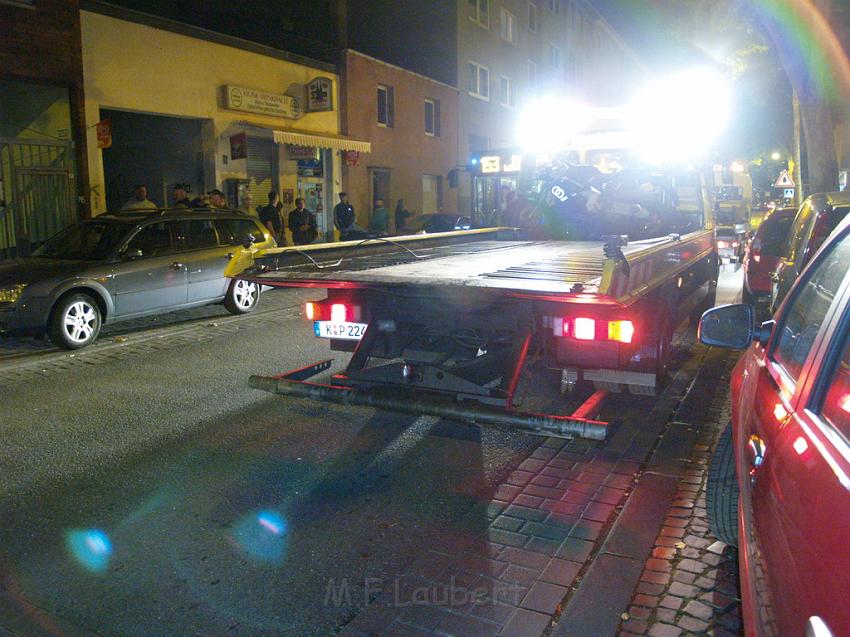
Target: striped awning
point(326, 140)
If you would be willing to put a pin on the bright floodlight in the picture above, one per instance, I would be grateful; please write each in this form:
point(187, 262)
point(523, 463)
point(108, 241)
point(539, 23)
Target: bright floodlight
point(737, 167)
point(776, 155)
point(548, 125)
point(679, 117)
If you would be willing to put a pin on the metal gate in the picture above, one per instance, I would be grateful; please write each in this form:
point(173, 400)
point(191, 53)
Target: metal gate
point(38, 186)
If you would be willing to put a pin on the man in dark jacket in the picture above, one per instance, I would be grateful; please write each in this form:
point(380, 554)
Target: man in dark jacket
point(270, 218)
point(345, 219)
point(302, 224)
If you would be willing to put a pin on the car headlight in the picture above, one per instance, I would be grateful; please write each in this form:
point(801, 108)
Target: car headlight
point(12, 293)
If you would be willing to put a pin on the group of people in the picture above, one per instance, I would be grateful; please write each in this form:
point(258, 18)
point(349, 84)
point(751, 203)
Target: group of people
point(345, 219)
point(301, 221)
point(139, 201)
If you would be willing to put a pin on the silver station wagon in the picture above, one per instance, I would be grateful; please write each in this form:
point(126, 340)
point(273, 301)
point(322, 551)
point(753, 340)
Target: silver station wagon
point(128, 265)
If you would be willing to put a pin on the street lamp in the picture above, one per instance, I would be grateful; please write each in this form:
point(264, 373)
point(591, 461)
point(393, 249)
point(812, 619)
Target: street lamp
point(776, 155)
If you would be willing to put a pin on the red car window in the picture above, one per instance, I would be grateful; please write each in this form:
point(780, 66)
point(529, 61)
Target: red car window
point(802, 319)
point(772, 234)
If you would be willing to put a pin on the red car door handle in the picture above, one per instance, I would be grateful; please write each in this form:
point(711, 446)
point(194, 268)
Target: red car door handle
point(755, 454)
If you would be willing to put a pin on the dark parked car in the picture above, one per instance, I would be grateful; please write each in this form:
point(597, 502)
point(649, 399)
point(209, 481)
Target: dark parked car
point(762, 253)
point(438, 222)
point(816, 218)
point(127, 265)
point(779, 480)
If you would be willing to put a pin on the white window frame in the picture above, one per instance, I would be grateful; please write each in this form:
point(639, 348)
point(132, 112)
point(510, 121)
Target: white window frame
point(532, 17)
point(532, 74)
point(507, 21)
point(477, 13)
point(555, 6)
point(434, 127)
point(511, 91)
point(554, 56)
point(477, 92)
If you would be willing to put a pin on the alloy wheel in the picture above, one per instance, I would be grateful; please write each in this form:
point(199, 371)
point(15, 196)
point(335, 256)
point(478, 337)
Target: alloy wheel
point(80, 321)
point(245, 294)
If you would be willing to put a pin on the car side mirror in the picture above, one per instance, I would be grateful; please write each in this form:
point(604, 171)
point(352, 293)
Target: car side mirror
point(129, 255)
point(248, 241)
point(733, 327)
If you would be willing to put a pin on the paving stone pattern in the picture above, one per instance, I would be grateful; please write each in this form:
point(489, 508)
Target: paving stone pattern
point(689, 585)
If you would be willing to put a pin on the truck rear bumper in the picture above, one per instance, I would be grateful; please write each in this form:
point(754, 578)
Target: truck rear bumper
point(422, 403)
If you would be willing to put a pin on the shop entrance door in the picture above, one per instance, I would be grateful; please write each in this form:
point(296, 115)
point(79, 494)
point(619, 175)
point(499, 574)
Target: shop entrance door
point(380, 180)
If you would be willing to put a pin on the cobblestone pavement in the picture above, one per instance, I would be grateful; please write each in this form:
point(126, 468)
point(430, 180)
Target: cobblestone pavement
point(689, 585)
point(550, 521)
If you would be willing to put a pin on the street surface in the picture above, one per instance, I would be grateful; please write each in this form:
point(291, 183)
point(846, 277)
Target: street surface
point(148, 491)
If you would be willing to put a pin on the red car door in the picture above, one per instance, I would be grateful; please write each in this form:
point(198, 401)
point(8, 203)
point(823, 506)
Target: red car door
point(775, 538)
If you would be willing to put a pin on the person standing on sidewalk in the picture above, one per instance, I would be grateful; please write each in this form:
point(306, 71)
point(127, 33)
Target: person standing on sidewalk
point(271, 219)
point(139, 200)
point(401, 215)
point(302, 224)
point(380, 223)
point(345, 219)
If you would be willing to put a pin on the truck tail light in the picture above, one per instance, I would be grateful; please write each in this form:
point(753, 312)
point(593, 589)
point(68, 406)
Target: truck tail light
point(621, 331)
point(584, 329)
point(311, 310)
point(339, 313)
point(722, 244)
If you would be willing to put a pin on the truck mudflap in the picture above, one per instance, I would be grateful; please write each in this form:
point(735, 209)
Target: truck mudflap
point(425, 403)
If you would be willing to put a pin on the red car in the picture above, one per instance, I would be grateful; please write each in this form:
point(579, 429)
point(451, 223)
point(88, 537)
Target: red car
point(762, 254)
point(779, 480)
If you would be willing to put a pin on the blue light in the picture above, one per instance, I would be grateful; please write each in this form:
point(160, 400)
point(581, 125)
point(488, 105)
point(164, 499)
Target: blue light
point(474, 161)
point(90, 547)
point(262, 535)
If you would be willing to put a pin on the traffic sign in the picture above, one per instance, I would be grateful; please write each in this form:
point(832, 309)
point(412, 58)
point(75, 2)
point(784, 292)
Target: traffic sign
point(784, 180)
point(789, 193)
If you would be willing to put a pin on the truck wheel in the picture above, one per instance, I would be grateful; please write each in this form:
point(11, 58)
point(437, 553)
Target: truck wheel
point(721, 491)
point(74, 321)
point(662, 352)
point(242, 297)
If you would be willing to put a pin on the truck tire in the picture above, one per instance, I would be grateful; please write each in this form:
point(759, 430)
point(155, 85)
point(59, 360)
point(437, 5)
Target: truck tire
point(74, 321)
point(242, 297)
point(663, 347)
point(721, 491)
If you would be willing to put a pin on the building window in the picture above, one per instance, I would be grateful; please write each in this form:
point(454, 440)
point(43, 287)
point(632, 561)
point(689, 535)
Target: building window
point(386, 114)
point(532, 73)
point(480, 12)
point(432, 117)
point(479, 81)
point(508, 26)
point(507, 92)
point(555, 6)
point(554, 56)
point(532, 16)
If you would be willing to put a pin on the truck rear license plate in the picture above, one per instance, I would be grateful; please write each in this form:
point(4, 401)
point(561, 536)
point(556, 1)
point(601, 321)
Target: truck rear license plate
point(347, 331)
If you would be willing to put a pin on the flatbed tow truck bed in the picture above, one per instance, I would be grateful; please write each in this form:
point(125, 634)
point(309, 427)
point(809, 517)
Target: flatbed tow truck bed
point(455, 317)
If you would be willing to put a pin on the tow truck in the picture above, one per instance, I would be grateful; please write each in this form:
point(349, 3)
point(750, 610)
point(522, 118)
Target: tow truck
point(733, 196)
point(447, 324)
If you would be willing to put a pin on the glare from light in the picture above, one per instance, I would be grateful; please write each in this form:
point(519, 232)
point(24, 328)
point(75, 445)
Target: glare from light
point(263, 535)
point(91, 548)
point(679, 117)
point(550, 124)
point(737, 167)
point(776, 156)
point(800, 445)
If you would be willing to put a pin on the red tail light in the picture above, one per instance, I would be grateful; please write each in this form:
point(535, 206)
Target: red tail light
point(339, 313)
point(722, 244)
point(584, 329)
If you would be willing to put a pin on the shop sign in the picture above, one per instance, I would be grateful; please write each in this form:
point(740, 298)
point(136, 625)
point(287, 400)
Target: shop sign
point(320, 95)
point(351, 157)
point(302, 152)
point(239, 98)
point(104, 133)
point(239, 146)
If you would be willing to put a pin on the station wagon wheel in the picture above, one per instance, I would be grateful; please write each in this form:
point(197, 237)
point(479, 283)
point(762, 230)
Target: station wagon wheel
point(242, 297)
point(75, 321)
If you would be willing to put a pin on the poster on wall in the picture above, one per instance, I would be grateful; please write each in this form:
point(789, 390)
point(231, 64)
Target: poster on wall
point(239, 146)
point(287, 196)
point(319, 95)
point(104, 133)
